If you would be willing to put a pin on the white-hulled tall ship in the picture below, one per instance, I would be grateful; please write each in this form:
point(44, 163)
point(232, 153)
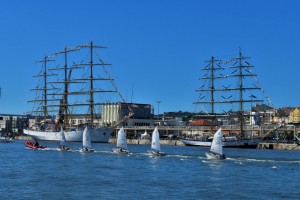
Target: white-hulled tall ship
point(77, 96)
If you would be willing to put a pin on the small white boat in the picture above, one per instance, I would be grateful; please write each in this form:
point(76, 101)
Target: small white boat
point(191, 142)
point(121, 143)
point(86, 142)
point(6, 140)
point(155, 144)
point(145, 136)
point(63, 144)
point(216, 149)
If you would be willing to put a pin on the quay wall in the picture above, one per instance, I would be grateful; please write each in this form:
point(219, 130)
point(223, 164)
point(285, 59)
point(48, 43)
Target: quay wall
point(148, 142)
point(278, 146)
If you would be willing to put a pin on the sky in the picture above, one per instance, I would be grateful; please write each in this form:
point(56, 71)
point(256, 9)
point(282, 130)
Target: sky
point(157, 48)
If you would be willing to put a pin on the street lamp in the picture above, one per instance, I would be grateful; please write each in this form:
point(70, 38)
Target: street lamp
point(158, 102)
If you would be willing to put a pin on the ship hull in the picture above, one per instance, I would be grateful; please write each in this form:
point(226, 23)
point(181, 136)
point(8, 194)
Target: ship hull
point(196, 143)
point(98, 135)
point(243, 143)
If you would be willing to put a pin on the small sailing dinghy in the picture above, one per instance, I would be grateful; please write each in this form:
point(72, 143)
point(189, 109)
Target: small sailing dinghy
point(63, 144)
point(121, 143)
point(216, 149)
point(86, 141)
point(155, 144)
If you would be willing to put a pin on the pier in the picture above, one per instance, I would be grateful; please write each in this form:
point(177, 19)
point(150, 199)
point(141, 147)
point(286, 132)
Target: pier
point(278, 146)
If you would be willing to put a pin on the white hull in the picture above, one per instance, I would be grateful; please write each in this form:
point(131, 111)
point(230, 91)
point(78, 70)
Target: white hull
point(211, 155)
point(119, 151)
point(101, 134)
point(82, 150)
point(156, 153)
point(195, 143)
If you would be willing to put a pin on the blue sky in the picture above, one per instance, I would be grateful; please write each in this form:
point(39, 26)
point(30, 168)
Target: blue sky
point(157, 48)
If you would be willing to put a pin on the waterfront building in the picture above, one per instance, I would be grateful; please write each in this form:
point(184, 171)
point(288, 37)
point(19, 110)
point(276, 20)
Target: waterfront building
point(12, 124)
point(113, 112)
point(294, 116)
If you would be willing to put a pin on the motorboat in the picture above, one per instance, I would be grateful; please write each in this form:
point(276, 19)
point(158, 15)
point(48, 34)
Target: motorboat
point(33, 145)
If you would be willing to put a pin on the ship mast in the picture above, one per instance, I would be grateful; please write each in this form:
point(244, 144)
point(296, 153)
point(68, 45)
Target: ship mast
point(67, 76)
point(45, 88)
point(242, 70)
point(65, 101)
point(213, 65)
point(91, 79)
point(242, 67)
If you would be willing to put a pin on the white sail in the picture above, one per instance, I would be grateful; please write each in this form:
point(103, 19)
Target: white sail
point(62, 137)
point(155, 145)
point(121, 141)
point(145, 135)
point(216, 145)
point(86, 140)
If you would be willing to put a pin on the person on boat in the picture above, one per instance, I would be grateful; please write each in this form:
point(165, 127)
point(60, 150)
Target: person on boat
point(36, 143)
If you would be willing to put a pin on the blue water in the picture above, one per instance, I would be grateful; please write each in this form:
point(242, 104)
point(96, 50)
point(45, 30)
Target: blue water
point(184, 173)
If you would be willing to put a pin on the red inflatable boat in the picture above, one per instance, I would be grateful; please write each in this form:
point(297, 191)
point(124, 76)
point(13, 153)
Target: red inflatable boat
point(31, 145)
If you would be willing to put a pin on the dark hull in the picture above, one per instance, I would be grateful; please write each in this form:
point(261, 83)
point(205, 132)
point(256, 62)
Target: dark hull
point(243, 143)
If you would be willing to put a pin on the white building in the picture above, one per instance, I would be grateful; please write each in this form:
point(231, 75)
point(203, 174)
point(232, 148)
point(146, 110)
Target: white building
point(112, 113)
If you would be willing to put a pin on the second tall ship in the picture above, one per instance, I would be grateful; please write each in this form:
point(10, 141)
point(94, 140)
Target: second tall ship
point(73, 100)
point(212, 92)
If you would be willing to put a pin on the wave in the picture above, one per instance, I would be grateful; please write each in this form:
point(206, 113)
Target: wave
point(263, 160)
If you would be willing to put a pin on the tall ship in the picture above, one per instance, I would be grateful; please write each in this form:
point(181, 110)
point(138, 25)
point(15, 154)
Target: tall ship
point(72, 96)
point(231, 89)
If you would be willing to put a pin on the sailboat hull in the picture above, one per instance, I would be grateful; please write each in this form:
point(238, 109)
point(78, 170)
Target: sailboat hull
point(86, 150)
point(211, 155)
point(98, 135)
point(156, 153)
point(120, 151)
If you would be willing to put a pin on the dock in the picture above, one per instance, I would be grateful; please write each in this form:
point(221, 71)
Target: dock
point(278, 146)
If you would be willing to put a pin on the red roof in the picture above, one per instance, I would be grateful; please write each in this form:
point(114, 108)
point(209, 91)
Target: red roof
point(200, 122)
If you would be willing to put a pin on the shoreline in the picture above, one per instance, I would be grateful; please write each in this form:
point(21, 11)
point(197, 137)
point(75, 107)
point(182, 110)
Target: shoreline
point(262, 145)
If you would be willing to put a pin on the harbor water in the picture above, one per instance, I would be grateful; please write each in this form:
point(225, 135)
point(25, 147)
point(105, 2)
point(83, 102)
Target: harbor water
point(185, 173)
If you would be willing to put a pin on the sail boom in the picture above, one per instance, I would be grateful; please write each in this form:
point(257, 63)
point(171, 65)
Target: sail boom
point(62, 82)
point(215, 77)
point(44, 75)
point(242, 66)
point(78, 104)
point(93, 64)
point(95, 79)
point(234, 101)
point(32, 101)
point(39, 89)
